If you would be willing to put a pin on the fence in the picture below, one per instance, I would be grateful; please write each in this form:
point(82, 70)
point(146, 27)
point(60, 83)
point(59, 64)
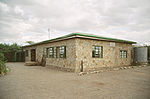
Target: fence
point(15, 56)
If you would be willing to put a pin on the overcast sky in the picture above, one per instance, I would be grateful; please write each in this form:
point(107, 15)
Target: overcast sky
point(24, 20)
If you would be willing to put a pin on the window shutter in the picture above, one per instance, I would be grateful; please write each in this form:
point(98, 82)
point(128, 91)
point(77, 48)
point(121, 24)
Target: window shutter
point(53, 52)
point(101, 51)
point(47, 52)
point(57, 52)
point(64, 52)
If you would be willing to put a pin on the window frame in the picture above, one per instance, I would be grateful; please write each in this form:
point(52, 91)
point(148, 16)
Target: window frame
point(98, 54)
point(44, 52)
point(51, 54)
point(123, 53)
point(62, 52)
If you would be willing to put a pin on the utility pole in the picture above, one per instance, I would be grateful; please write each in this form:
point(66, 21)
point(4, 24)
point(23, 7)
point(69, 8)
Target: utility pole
point(48, 33)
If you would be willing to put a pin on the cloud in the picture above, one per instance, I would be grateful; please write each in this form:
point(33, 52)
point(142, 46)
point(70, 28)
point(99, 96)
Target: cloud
point(18, 10)
point(4, 7)
point(22, 20)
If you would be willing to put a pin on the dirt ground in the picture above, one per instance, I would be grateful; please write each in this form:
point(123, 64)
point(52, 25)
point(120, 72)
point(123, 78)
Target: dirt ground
point(35, 82)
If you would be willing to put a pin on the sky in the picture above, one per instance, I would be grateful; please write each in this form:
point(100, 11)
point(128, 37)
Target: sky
point(29, 20)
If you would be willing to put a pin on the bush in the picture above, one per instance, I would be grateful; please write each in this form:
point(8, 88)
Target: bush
point(3, 68)
point(2, 57)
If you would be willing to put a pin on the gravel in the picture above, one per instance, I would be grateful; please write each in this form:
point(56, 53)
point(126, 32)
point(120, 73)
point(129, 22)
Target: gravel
point(36, 82)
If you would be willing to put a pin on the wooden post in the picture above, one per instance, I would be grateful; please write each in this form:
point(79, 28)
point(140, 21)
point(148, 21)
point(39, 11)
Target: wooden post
point(81, 66)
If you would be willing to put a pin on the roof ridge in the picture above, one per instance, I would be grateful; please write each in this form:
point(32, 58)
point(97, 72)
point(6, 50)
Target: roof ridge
point(84, 35)
point(93, 35)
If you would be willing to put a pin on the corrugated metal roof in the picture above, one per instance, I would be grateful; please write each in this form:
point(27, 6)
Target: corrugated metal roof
point(82, 35)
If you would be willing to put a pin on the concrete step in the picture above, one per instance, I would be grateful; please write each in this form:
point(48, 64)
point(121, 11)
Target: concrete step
point(31, 63)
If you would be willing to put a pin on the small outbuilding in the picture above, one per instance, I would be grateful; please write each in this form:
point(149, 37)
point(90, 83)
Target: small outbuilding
point(80, 52)
point(141, 55)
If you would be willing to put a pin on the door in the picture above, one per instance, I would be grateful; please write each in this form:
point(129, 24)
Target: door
point(33, 54)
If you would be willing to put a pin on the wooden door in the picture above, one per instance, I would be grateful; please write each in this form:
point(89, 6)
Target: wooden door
point(33, 54)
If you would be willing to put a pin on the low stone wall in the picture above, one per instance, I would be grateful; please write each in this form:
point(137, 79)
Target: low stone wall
point(31, 63)
point(61, 68)
point(95, 71)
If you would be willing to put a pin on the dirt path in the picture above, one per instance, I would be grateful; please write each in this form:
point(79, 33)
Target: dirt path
point(44, 83)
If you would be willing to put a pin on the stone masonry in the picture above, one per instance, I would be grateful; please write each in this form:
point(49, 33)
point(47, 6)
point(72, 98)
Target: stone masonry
point(80, 49)
point(111, 55)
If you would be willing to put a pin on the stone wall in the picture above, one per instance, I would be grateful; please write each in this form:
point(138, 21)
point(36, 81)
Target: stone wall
point(68, 62)
point(78, 50)
point(111, 55)
point(28, 59)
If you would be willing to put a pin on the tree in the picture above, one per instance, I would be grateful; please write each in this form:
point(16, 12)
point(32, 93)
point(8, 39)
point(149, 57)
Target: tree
point(3, 68)
point(29, 42)
point(4, 48)
point(9, 50)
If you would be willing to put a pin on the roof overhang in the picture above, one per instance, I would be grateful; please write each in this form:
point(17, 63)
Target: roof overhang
point(84, 36)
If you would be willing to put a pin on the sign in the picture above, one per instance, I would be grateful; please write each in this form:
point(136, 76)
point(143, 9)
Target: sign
point(112, 44)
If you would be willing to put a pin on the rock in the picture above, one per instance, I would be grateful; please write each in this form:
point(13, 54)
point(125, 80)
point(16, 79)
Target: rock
point(80, 74)
point(101, 71)
point(125, 67)
point(96, 71)
point(91, 72)
point(116, 69)
point(129, 67)
point(140, 66)
point(143, 65)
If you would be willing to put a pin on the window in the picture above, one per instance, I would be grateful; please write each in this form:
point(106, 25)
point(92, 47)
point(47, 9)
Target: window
point(44, 52)
point(97, 52)
point(26, 53)
point(123, 54)
point(51, 52)
point(62, 51)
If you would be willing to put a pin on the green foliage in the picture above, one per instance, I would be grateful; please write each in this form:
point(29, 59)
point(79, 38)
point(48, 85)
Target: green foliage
point(2, 57)
point(3, 68)
point(29, 42)
point(9, 49)
point(2, 64)
point(4, 48)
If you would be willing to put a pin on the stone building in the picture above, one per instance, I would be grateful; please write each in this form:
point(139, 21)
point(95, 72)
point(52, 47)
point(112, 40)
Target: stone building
point(80, 52)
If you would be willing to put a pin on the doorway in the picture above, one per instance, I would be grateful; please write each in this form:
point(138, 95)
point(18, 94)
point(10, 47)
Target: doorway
point(33, 54)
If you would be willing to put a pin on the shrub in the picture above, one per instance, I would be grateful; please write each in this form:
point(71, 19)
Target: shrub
point(2, 57)
point(3, 68)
